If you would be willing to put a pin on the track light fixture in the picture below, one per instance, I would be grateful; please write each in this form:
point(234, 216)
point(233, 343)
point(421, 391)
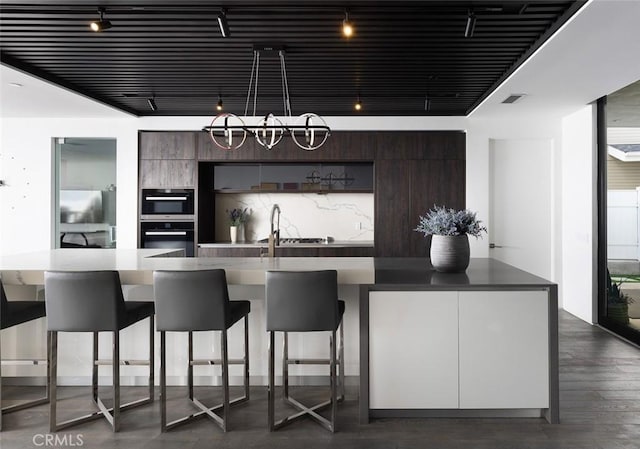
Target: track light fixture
point(220, 104)
point(100, 25)
point(152, 104)
point(223, 24)
point(358, 105)
point(347, 26)
point(427, 103)
point(471, 24)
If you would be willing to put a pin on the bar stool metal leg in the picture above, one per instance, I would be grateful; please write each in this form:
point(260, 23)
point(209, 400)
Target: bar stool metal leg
point(246, 357)
point(224, 362)
point(336, 376)
point(152, 359)
point(285, 365)
point(333, 380)
point(112, 414)
point(341, 366)
point(94, 371)
point(225, 379)
point(163, 382)
point(272, 383)
point(115, 421)
point(53, 378)
point(190, 367)
point(25, 404)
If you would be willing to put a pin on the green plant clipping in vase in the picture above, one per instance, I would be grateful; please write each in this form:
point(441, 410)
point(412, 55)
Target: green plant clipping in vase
point(237, 216)
point(443, 221)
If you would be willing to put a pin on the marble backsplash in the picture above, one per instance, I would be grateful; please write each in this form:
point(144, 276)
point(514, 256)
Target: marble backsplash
point(342, 216)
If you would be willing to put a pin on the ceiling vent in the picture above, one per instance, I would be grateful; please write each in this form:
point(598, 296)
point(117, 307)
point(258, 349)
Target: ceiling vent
point(513, 98)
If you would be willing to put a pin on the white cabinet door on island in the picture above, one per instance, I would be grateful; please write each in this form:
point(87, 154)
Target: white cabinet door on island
point(413, 356)
point(504, 357)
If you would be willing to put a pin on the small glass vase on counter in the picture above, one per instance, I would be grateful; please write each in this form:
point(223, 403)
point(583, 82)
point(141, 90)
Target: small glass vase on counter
point(237, 217)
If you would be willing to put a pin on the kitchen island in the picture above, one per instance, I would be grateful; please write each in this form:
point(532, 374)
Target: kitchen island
point(481, 343)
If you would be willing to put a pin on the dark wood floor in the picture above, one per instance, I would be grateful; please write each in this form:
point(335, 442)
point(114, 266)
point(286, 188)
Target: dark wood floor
point(599, 399)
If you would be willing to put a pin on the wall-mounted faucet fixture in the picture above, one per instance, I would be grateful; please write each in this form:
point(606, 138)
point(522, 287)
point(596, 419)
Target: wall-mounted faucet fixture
point(274, 234)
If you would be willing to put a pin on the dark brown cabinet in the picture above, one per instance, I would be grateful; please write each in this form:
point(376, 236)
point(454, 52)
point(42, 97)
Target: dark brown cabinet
point(167, 145)
point(162, 173)
point(167, 159)
point(412, 172)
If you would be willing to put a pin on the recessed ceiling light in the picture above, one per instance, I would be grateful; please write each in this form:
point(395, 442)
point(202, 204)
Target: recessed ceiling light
point(15, 84)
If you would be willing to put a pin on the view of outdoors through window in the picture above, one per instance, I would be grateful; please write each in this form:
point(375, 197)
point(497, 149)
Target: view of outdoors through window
point(622, 310)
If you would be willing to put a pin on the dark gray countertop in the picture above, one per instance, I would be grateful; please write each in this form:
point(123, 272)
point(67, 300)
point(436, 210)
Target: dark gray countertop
point(481, 273)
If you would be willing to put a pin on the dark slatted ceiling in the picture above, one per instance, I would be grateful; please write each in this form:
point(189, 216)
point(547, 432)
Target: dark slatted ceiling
point(402, 52)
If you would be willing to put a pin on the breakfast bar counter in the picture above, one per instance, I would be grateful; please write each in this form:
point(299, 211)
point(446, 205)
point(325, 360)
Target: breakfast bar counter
point(418, 342)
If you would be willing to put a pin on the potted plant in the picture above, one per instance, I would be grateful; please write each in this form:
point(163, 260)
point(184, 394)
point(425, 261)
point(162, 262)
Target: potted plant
point(236, 218)
point(617, 301)
point(450, 229)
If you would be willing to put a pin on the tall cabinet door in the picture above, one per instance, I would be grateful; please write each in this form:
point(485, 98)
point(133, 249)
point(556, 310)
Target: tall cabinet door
point(504, 349)
point(407, 189)
point(413, 350)
point(392, 227)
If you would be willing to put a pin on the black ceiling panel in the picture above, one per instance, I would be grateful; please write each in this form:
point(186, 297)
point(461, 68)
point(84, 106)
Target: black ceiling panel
point(402, 53)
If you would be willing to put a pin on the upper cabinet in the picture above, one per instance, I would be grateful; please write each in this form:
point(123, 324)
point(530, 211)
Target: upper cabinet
point(293, 177)
point(167, 159)
point(169, 174)
point(340, 146)
point(167, 145)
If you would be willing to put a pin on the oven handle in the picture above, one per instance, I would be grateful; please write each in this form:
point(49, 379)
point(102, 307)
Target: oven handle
point(165, 198)
point(165, 233)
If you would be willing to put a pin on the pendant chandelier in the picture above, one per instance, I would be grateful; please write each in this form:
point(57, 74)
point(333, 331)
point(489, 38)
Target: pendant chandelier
point(229, 132)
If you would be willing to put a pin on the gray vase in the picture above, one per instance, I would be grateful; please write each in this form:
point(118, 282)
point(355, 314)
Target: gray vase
point(450, 253)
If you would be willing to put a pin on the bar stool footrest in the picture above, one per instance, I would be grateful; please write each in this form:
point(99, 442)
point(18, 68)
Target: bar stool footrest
point(209, 362)
point(123, 362)
point(24, 404)
point(205, 411)
point(304, 411)
point(102, 411)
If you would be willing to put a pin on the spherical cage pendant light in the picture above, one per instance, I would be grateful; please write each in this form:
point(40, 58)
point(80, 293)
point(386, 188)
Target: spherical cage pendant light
point(228, 131)
point(269, 131)
point(307, 128)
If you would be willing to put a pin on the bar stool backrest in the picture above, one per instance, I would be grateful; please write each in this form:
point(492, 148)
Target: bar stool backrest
point(191, 300)
point(302, 301)
point(83, 301)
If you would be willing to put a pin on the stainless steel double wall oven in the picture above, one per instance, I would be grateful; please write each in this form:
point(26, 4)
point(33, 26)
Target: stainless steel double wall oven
point(167, 219)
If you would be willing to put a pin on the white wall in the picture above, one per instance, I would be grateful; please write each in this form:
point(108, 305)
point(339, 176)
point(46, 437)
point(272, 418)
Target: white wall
point(26, 166)
point(514, 133)
point(579, 232)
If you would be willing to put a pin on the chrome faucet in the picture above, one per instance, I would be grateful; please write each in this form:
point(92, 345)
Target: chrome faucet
point(274, 235)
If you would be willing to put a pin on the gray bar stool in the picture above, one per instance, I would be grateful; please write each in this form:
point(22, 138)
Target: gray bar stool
point(188, 301)
point(304, 301)
point(13, 313)
point(92, 301)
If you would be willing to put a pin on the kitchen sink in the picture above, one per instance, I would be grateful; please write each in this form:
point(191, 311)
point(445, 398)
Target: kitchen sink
point(296, 240)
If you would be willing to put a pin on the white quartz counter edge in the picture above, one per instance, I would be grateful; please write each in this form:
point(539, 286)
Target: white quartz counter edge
point(338, 244)
point(136, 266)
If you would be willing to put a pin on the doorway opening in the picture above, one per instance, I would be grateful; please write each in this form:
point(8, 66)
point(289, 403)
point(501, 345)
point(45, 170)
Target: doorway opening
point(85, 193)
